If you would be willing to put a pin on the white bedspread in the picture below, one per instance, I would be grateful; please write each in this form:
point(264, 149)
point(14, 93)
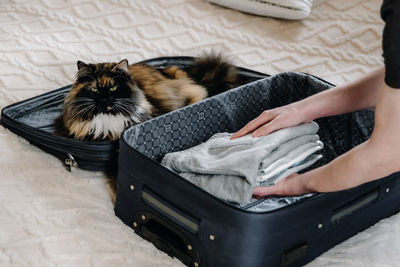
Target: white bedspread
point(50, 217)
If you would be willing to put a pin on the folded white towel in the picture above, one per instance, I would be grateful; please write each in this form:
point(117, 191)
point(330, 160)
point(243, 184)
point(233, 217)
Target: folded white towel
point(298, 154)
point(286, 9)
point(310, 160)
point(286, 147)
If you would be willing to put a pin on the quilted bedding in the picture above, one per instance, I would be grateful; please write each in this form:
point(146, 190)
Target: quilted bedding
point(51, 217)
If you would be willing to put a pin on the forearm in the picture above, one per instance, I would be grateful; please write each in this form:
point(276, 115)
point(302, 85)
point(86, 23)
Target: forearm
point(374, 159)
point(350, 97)
point(358, 166)
point(353, 96)
point(380, 155)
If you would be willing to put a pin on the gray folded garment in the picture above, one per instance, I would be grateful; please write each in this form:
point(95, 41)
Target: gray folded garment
point(228, 168)
point(238, 189)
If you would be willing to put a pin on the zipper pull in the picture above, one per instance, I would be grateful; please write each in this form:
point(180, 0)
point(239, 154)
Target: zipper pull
point(70, 162)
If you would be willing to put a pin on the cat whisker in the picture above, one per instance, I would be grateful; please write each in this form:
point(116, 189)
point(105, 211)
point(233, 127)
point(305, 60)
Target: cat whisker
point(122, 109)
point(128, 104)
point(80, 101)
point(125, 106)
point(124, 100)
point(119, 110)
point(82, 112)
point(77, 108)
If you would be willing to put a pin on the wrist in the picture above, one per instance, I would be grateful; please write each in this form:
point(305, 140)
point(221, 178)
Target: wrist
point(309, 184)
point(299, 185)
point(302, 110)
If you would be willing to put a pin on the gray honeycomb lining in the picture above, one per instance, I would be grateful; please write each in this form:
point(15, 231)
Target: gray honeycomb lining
point(229, 111)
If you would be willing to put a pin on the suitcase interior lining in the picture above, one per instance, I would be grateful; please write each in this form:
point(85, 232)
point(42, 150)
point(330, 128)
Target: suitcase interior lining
point(34, 118)
point(38, 112)
point(229, 111)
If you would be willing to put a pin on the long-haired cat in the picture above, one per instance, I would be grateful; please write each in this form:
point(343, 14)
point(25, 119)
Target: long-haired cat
point(106, 98)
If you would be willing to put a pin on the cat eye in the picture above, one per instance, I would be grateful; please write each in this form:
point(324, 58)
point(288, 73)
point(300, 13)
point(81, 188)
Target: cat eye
point(93, 89)
point(112, 89)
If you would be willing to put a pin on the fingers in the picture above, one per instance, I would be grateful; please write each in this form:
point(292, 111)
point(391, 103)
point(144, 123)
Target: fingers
point(290, 186)
point(262, 191)
point(268, 128)
point(265, 117)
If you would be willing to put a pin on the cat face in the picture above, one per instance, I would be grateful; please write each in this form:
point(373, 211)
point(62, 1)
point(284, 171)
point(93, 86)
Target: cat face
point(102, 102)
point(104, 88)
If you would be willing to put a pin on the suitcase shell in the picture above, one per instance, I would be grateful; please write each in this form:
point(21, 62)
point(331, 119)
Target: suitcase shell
point(201, 230)
point(33, 119)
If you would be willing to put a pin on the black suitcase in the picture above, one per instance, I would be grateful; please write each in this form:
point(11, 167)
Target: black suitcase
point(33, 119)
point(201, 230)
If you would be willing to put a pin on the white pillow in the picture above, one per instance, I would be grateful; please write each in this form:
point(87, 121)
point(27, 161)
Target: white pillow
point(286, 9)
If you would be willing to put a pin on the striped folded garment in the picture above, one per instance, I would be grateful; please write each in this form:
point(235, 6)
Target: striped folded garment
point(286, 9)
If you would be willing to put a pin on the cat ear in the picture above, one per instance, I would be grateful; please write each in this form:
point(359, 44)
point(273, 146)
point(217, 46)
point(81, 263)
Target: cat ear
point(123, 65)
point(81, 65)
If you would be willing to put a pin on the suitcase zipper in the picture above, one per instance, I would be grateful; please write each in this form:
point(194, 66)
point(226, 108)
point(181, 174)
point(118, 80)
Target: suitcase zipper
point(70, 162)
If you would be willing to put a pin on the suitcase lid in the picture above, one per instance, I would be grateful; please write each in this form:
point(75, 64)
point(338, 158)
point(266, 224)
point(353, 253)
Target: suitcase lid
point(34, 118)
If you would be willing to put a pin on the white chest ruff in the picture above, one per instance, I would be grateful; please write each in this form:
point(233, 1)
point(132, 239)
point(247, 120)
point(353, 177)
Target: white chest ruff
point(104, 125)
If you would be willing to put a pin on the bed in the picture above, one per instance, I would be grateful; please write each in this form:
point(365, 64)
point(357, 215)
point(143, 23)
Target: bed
point(52, 217)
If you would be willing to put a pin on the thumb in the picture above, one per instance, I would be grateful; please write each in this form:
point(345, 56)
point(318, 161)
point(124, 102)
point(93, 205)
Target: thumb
point(262, 191)
point(277, 189)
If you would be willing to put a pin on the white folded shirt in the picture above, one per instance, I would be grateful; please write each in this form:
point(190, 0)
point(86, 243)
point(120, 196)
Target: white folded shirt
point(310, 160)
point(297, 155)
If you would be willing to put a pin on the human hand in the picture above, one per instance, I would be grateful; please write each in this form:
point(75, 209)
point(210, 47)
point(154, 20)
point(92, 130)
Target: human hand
point(293, 185)
point(272, 120)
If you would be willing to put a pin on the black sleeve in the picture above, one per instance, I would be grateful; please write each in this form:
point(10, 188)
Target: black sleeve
point(390, 13)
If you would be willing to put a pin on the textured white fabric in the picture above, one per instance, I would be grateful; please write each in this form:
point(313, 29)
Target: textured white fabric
point(286, 9)
point(51, 217)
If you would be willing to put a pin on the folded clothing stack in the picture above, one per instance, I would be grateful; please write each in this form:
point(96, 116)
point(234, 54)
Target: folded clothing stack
point(230, 169)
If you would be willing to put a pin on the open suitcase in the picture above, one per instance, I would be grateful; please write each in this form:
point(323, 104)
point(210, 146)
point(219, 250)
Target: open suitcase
point(33, 119)
point(187, 222)
point(202, 230)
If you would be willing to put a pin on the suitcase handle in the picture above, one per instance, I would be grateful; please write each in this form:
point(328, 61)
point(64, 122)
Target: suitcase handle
point(354, 206)
point(166, 237)
point(169, 211)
